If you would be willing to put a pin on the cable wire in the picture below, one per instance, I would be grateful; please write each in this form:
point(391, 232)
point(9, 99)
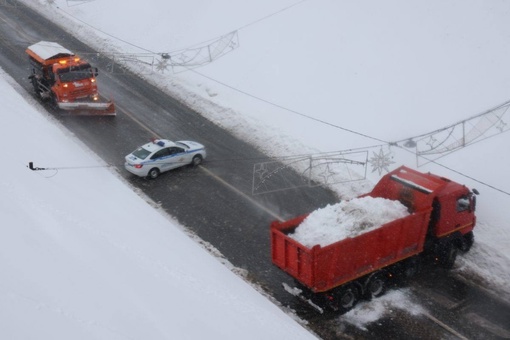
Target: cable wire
point(294, 111)
point(290, 110)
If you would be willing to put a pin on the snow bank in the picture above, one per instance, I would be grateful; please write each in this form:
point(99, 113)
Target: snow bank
point(368, 312)
point(84, 257)
point(347, 219)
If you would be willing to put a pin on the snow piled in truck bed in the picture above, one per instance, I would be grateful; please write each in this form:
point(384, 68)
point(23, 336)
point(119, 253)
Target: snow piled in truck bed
point(347, 219)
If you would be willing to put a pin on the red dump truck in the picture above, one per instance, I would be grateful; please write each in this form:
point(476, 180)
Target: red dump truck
point(439, 223)
point(60, 76)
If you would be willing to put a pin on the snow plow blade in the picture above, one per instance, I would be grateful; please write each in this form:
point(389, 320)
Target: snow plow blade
point(100, 107)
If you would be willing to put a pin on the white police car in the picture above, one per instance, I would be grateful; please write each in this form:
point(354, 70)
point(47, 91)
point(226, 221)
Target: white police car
point(161, 155)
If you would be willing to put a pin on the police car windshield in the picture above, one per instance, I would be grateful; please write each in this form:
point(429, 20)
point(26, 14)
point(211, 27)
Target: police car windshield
point(182, 145)
point(141, 153)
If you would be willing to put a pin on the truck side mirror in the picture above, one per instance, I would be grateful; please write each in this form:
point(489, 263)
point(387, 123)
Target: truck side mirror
point(476, 192)
point(96, 72)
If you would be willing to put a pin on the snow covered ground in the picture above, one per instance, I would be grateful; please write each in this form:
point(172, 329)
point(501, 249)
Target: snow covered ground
point(75, 265)
point(325, 75)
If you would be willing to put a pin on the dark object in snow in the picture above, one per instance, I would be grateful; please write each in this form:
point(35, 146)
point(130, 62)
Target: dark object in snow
point(31, 167)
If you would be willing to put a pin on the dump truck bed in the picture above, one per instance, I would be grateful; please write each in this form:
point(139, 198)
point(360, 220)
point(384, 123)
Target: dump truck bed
point(323, 268)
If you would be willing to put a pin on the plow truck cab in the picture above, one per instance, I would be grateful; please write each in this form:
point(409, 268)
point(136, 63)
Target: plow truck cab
point(67, 81)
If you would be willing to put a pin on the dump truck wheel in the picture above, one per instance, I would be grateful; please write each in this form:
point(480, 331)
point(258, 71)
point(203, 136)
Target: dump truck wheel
point(153, 173)
point(345, 299)
point(411, 267)
point(197, 160)
point(376, 286)
point(448, 256)
point(467, 242)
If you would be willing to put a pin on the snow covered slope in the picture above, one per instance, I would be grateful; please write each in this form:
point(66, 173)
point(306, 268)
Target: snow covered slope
point(76, 265)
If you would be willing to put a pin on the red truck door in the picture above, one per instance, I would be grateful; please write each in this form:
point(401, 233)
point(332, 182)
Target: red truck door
point(456, 212)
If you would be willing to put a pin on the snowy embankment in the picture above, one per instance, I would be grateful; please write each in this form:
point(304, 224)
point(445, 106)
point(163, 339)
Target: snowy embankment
point(84, 257)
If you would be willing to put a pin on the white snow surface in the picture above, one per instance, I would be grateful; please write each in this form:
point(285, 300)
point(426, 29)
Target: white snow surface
point(82, 256)
point(336, 222)
point(389, 70)
point(368, 312)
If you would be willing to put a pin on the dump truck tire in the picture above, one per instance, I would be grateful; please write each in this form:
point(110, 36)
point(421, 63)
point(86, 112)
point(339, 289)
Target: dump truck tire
point(345, 299)
point(376, 286)
point(467, 242)
point(448, 256)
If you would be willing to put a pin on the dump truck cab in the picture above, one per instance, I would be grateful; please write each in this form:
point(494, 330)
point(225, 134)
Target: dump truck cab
point(453, 205)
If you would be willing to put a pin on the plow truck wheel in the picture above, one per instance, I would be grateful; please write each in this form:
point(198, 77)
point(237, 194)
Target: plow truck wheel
point(53, 102)
point(36, 88)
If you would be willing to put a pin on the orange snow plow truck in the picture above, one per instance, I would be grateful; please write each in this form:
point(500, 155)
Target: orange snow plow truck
point(438, 223)
point(60, 76)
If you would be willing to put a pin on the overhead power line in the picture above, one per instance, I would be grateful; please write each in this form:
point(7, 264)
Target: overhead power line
point(105, 33)
point(192, 45)
point(473, 179)
point(503, 126)
point(290, 110)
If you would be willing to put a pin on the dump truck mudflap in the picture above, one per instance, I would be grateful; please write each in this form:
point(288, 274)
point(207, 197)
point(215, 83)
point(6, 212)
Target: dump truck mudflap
point(297, 292)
